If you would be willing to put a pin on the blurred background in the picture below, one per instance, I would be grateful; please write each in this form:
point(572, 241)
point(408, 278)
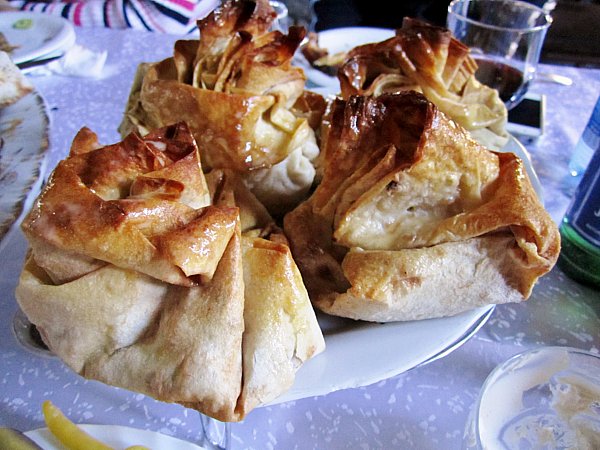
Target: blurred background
point(573, 38)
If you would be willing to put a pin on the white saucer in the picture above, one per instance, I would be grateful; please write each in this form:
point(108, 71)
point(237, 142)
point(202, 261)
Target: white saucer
point(41, 35)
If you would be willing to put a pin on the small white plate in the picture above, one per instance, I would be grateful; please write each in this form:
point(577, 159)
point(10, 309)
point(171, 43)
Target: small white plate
point(45, 34)
point(340, 40)
point(116, 436)
point(23, 145)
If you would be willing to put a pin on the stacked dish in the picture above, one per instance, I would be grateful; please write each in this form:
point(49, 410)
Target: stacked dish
point(35, 37)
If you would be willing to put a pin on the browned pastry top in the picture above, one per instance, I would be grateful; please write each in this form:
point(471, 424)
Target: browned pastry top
point(427, 59)
point(400, 176)
point(147, 274)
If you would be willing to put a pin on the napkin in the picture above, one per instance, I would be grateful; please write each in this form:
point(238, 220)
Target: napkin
point(77, 61)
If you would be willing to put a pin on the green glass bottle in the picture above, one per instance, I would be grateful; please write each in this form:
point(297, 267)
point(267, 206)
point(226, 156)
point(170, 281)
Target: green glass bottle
point(579, 259)
point(580, 229)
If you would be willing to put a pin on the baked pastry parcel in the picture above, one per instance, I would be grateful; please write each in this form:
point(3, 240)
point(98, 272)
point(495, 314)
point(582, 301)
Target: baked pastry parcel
point(146, 274)
point(428, 59)
point(414, 219)
point(239, 93)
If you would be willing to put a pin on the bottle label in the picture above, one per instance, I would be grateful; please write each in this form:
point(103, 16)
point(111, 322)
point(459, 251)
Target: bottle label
point(584, 213)
point(588, 142)
point(594, 122)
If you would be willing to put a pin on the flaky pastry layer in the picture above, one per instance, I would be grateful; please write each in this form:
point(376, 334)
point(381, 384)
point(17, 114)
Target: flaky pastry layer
point(414, 219)
point(146, 274)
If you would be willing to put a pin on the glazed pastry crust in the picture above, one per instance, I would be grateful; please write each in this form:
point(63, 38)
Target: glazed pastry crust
point(242, 98)
point(146, 274)
point(414, 219)
point(428, 59)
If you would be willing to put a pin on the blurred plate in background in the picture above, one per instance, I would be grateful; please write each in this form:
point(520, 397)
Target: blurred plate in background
point(340, 40)
point(35, 35)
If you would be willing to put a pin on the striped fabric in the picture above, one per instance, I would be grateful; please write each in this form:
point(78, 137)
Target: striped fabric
point(164, 16)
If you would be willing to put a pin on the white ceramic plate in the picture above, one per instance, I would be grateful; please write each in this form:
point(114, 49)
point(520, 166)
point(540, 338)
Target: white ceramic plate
point(115, 436)
point(46, 34)
point(363, 353)
point(338, 40)
point(23, 145)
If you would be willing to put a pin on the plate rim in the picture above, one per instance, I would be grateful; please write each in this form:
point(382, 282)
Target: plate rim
point(33, 183)
point(470, 322)
point(42, 435)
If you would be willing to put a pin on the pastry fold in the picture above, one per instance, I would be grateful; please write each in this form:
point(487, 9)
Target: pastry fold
point(146, 274)
point(414, 219)
point(237, 90)
point(428, 59)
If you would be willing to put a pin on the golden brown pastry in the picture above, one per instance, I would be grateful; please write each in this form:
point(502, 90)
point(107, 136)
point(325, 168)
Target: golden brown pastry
point(143, 274)
point(428, 59)
point(236, 89)
point(414, 219)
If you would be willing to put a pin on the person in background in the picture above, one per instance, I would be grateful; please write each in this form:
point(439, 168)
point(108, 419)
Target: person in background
point(319, 15)
point(165, 16)
point(377, 13)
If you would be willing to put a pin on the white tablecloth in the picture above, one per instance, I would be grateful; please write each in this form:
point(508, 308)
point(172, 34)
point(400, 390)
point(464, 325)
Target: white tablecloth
point(424, 408)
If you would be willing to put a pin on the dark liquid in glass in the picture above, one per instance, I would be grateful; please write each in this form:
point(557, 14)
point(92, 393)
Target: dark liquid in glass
point(502, 77)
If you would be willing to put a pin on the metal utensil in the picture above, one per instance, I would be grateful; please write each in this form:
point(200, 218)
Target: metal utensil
point(38, 62)
point(553, 78)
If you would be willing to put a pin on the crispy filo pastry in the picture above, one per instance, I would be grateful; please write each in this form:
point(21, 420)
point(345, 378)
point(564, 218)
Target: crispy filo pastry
point(236, 89)
point(414, 219)
point(145, 275)
point(428, 59)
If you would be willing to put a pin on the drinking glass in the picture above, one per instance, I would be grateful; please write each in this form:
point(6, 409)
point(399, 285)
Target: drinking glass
point(545, 398)
point(505, 38)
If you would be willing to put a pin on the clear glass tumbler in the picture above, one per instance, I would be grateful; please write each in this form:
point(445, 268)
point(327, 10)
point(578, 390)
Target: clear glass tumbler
point(505, 38)
point(545, 398)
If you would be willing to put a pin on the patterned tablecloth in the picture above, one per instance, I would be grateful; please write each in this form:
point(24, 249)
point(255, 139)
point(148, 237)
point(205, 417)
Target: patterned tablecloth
point(424, 408)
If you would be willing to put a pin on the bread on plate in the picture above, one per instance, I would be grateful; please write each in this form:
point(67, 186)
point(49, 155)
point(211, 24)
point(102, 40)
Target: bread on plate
point(13, 84)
